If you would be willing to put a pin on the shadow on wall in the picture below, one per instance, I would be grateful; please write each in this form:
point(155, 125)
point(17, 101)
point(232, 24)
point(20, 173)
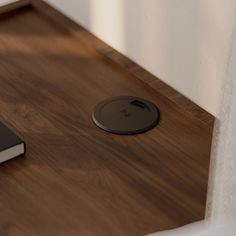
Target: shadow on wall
point(185, 43)
point(77, 10)
point(167, 40)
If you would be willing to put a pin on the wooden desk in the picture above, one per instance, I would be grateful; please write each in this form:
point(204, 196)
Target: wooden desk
point(75, 178)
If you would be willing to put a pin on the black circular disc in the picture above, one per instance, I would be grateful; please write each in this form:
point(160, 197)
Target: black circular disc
point(126, 115)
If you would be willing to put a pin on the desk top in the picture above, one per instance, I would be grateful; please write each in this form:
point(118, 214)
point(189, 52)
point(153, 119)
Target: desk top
point(75, 178)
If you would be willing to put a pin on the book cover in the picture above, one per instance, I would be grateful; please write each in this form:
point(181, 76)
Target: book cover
point(11, 145)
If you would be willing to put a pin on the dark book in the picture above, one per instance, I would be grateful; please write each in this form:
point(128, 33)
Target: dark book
point(10, 144)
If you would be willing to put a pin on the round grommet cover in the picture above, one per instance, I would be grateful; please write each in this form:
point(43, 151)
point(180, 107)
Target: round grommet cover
point(126, 115)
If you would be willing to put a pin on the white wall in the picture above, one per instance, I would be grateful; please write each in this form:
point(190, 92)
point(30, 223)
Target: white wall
point(222, 181)
point(4, 2)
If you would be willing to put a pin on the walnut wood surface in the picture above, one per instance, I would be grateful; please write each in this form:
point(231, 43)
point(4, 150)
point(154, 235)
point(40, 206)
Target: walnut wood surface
point(75, 178)
point(114, 56)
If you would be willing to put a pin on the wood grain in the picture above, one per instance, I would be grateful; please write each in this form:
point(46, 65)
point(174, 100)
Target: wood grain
point(75, 178)
point(114, 56)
